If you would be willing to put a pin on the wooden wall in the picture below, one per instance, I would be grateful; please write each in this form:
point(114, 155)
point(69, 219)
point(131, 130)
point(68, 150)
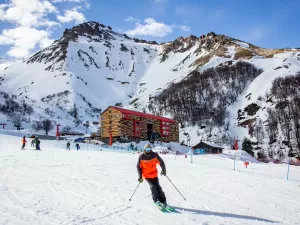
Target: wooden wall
point(110, 121)
point(173, 134)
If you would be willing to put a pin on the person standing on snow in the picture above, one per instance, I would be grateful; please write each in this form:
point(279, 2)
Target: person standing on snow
point(32, 143)
point(37, 143)
point(146, 167)
point(68, 146)
point(77, 146)
point(23, 142)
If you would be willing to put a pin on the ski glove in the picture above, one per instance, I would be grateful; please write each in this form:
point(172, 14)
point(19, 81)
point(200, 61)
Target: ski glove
point(163, 173)
point(140, 180)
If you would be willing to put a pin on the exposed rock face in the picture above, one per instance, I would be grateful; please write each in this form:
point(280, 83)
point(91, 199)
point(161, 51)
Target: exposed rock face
point(145, 42)
point(181, 44)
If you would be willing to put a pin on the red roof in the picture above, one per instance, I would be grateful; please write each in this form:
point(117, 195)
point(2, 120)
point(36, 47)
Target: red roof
point(127, 111)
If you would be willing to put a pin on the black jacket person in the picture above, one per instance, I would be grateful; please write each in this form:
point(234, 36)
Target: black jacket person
point(146, 168)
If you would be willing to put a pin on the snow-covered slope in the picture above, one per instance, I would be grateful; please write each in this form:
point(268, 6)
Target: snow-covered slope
point(60, 187)
point(5, 63)
point(91, 67)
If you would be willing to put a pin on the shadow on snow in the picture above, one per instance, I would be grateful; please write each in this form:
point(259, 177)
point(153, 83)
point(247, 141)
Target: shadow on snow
point(220, 214)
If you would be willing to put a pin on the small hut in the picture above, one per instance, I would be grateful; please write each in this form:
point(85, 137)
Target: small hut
point(207, 148)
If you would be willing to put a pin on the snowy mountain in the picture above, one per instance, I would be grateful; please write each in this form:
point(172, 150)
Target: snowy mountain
point(91, 67)
point(5, 63)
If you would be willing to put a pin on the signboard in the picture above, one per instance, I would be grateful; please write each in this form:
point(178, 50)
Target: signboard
point(137, 128)
point(165, 128)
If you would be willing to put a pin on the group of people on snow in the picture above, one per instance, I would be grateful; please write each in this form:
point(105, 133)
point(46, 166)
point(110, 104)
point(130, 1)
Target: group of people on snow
point(76, 146)
point(34, 143)
point(146, 168)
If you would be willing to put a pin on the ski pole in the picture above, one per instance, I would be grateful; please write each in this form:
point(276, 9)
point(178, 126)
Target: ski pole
point(176, 188)
point(134, 191)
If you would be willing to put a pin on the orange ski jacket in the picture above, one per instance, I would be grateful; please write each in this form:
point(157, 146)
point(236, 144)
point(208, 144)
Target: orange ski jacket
point(146, 165)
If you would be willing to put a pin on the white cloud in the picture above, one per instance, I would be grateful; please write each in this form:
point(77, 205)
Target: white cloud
point(184, 28)
point(153, 28)
point(33, 21)
point(30, 13)
point(24, 39)
point(132, 19)
point(58, 1)
point(72, 15)
point(44, 43)
point(86, 4)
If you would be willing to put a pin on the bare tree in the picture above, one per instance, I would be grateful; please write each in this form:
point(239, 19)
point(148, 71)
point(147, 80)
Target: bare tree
point(86, 124)
point(17, 122)
point(47, 125)
point(203, 97)
point(37, 125)
point(66, 129)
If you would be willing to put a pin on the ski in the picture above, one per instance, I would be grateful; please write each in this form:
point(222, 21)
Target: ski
point(165, 208)
point(170, 209)
point(161, 207)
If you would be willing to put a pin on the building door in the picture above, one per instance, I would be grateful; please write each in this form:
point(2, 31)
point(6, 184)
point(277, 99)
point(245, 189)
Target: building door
point(149, 130)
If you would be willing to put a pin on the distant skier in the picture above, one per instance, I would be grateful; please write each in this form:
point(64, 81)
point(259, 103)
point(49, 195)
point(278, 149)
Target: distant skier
point(146, 168)
point(23, 143)
point(37, 143)
point(77, 146)
point(32, 143)
point(68, 146)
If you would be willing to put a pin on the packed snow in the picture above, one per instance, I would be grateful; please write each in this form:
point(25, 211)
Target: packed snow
point(89, 186)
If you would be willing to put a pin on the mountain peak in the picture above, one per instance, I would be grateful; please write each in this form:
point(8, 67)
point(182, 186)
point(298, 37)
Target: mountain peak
point(88, 28)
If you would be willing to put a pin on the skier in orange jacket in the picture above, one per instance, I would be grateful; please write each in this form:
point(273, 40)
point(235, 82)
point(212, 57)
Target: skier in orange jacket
point(23, 142)
point(146, 168)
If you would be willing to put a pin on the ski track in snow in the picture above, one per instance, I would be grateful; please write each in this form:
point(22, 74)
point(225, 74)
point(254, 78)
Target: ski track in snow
point(92, 187)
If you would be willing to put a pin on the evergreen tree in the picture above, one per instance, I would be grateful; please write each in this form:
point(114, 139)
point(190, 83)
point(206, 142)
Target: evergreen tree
point(247, 146)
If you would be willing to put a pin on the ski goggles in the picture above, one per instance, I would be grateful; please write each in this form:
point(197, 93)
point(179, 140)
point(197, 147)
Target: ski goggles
point(148, 149)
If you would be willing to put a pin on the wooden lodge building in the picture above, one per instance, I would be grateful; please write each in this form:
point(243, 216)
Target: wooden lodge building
point(123, 125)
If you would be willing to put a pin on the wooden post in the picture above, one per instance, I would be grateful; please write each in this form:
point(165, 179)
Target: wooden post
point(110, 138)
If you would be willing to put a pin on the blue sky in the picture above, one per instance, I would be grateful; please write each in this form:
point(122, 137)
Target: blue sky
point(26, 26)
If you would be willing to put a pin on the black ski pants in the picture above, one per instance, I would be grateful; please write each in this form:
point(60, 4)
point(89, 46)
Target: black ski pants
point(157, 192)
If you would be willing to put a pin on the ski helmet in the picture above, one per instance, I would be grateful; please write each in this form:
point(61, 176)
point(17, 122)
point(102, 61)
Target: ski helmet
point(147, 148)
